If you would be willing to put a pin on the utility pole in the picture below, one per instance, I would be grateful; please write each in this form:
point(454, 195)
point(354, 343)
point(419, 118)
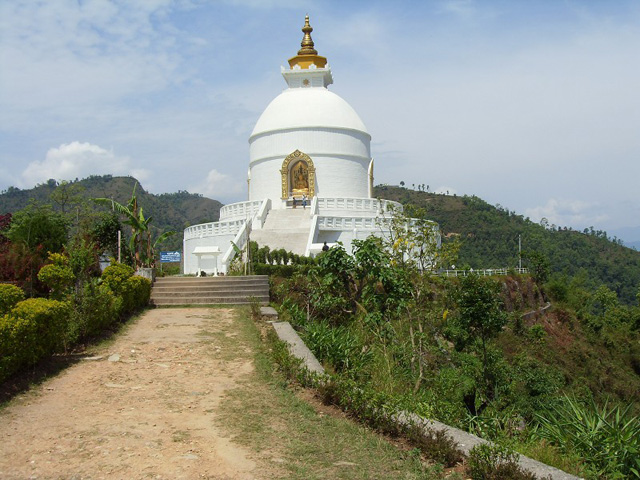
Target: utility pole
point(519, 252)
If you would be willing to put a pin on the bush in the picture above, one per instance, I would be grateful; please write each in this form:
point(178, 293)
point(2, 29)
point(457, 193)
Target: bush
point(494, 462)
point(607, 437)
point(96, 308)
point(9, 296)
point(57, 275)
point(34, 328)
point(134, 291)
point(138, 292)
point(115, 277)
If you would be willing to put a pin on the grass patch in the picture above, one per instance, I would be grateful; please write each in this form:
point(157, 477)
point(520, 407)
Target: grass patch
point(299, 441)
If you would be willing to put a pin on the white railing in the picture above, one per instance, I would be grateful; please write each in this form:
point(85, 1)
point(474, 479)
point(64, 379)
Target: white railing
point(261, 214)
point(483, 273)
point(313, 233)
point(240, 210)
point(213, 228)
point(372, 205)
point(240, 241)
point(314, 207)
point(347, 223)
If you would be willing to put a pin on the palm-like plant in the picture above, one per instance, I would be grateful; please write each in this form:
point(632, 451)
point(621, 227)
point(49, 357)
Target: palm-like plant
point(140, 242)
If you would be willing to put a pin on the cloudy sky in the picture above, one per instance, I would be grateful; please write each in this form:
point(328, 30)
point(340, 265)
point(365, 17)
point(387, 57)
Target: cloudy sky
point(533, 105)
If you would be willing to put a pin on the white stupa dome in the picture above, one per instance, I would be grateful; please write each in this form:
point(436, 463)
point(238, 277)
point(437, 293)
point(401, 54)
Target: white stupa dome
point(309, 141)
point(308, 108)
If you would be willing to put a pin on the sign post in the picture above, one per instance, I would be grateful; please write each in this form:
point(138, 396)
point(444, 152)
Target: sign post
point(170, 257)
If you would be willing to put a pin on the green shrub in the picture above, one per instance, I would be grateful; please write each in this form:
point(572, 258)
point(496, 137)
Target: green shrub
point(435, 444)
point(119, 279)
point(285, 271)
point(34, 328)
point(138, 292)
point(9, 296)
point(115, 277)
point(336, 345)
point(607, 437)
point(96, 308)
point(58, 277)
point(495, 462)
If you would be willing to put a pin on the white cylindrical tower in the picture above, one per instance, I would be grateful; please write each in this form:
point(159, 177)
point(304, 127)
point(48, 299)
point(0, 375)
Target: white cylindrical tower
point(308, 141)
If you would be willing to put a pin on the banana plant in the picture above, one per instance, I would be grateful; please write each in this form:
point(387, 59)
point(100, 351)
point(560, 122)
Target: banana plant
point(140, 242)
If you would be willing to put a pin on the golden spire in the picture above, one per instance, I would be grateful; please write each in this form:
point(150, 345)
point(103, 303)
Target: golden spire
point(307, 55)
point(307, 42)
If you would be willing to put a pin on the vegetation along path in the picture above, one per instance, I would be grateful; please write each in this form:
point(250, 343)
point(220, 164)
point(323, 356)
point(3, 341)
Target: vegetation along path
point(185, 393)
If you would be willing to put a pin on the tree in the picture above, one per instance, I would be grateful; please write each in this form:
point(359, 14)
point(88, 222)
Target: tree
point(414, 242)
point(538, 265)
point(67, 194)
point(140, 244)
point(480, 316)
point(35, 231)
point(36, 225)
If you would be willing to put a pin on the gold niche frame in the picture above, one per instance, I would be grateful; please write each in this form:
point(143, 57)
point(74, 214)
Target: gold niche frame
point(293, 158)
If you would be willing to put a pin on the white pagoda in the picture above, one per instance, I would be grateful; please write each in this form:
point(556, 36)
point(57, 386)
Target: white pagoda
point(310, 175)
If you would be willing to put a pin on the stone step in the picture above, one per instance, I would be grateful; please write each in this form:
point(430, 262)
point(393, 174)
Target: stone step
point(245, 292)
point(208, 301)
point(212, 280)
point(210, 290)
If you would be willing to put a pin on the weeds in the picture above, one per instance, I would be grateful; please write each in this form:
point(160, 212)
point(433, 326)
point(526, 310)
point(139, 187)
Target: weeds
point(607, 437)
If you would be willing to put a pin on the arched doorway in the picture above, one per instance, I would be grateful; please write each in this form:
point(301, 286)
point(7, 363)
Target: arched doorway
point(298, 176)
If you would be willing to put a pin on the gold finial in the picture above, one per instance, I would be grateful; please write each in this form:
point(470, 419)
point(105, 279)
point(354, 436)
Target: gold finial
point(307, 55)
point(307, 43)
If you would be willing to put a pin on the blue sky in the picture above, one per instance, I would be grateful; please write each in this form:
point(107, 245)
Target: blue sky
point(533, 105)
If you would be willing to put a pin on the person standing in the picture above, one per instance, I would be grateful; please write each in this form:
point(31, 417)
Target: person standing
point(304, 201)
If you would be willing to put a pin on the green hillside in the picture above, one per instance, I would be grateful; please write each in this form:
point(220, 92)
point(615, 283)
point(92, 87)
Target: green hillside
point(489, 237)
point(170, 211)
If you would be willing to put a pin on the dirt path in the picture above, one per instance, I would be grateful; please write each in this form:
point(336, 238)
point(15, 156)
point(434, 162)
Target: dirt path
point(145, 406)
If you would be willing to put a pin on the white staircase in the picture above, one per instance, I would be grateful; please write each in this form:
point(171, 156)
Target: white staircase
point(285, 228)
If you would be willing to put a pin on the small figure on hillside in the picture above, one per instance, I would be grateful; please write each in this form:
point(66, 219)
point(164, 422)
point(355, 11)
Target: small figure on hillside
point(304, 201)
point(325, 247)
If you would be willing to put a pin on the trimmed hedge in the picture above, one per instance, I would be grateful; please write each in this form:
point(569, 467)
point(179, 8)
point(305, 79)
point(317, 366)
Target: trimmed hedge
point(134, 290)
point(285, 271)
point(34, 328)
point(10, 295)
point(38, 327)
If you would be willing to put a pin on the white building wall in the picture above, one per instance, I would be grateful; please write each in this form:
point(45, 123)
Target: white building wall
point(208, 263)
point(341, 158)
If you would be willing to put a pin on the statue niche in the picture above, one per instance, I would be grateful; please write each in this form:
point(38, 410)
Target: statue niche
point(300, 179)
point(298, 176)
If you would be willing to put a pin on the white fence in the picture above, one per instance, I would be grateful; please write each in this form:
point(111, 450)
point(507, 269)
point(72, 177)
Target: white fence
point(240, 210)
point(347, 223)
point(483, 273)
point(213, 228)
point(371, 205)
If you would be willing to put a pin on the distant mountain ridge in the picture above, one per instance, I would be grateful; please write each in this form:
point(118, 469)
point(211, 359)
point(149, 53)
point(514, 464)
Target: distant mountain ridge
point(489, 236)
point(170, 211)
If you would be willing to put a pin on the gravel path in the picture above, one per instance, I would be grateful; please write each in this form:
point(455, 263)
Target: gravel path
point(145, 406)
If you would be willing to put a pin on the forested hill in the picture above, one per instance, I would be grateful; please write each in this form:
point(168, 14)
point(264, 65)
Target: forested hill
point(170, 211)
point(489, 237)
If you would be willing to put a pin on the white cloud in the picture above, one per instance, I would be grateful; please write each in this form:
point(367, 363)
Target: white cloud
point(78, 160)
point(561, 212)
point(219, 186)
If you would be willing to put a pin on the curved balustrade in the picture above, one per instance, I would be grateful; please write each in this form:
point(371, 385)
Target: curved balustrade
point(371, 205)
point(347, 223)
point(240, 210)
point(213, 228)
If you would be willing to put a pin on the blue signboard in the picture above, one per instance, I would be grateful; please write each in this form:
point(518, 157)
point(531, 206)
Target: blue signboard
point(166, 257)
